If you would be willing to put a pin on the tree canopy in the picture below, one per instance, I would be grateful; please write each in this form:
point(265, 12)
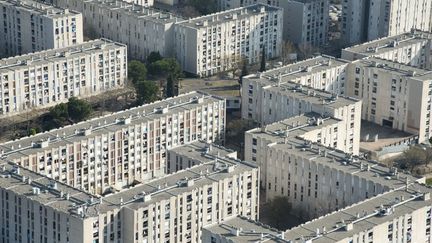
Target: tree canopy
point(278, 211)
point(75, 110)
point(166, 67)
point(147, 91)
point(137, 71)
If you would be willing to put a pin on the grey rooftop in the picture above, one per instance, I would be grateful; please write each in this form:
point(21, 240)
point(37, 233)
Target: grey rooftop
point(103, 125)
point(38, 8)
point(228, 15)
point(199, 151)
point(39, 58)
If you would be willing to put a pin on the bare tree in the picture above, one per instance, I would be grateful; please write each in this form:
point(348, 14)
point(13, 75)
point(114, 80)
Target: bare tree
point(288, 49)
point(307, 50)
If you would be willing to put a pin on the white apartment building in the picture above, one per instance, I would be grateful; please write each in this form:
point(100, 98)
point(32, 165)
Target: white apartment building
point(28, 26)
point(188, 155)
point(144, 3)
point(142, 29)
point(170, 209)
point(393, 94)
point(312, 127)
point(112, 152)
point(279, 93)
point(412, 48)
point(396, 216)
point(218, 42)
point(305, 22)
point(44, 79)
point(365, 20)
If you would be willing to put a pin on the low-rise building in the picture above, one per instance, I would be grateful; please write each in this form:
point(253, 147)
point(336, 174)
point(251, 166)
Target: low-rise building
point(219, 42)
point(112, 152)
point(44, 79)
point(394, 95)
point(29, 26)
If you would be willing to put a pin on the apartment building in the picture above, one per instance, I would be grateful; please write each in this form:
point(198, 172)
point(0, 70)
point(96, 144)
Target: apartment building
point(397, 216)
point(393, 94)
point(279, 93)
point(28, 26)
point(188, 155)
point(366, 20)
point(305, 22)
point(144, 3)
point(114, 151)
point(46, 78)
point(170, 209)
point(412, 48)
point(312, 127)
point(142, 29)
point(219, 42)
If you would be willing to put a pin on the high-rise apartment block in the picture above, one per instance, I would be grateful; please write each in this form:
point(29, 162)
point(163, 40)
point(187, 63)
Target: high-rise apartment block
point(402, 215)
point(305, 22)
point(413, 48)
point(174, 208)
point(288, 91)
point(144, 3)
point(28, 26)
point(365, 20)
point(46, 78)
point(115, 151)
point(142, 29)
point(188, 155)
point(394, 95)
point(214, 43)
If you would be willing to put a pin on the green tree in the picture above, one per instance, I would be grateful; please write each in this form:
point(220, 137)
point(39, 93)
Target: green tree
point(147, 91)
point(414, 157)
point(203, 6)
point(278, 213)
point(33, 131)
point(154, 57)
point(59, 113)
point(166, 67)
point(170, 87)
point(137, 71)
point(263, 60)
point(78, 109)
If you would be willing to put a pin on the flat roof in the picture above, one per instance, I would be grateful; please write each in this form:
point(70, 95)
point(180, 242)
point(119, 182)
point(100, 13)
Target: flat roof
point(38, 8)
point(397, 68)
point(53, 55)
point(102, 125)
point(294, 126)
point(363, 216)
point(137, 11)
point(248, 230)
point(228, 15)
point(386, 44)
point(199, 150)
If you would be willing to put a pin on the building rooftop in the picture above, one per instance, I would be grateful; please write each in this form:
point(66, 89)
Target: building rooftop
point(228, 15)
point(397, 68)
point(294, 126)
point(383, 45)
point(101, 125)
point(135, 10)
point(38, 8)
point(333, 227)
point(199, 150)
point(47, 56)
point(243, 230)
point(362, 216)
point(76, 202)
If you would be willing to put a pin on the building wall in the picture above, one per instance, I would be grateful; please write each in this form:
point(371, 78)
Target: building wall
point(371, 19)
point(28, 28)
point(143, 30)
point(394, 99)
point(215, 43)
point(118, 157)
point(145, 3)
point(70, 72)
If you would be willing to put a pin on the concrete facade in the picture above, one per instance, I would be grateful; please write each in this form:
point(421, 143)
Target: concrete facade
point(29, 26)
point(44, 79)
point(218, 42)
point(393, 94)
point(115, 151)
point(366, 20)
